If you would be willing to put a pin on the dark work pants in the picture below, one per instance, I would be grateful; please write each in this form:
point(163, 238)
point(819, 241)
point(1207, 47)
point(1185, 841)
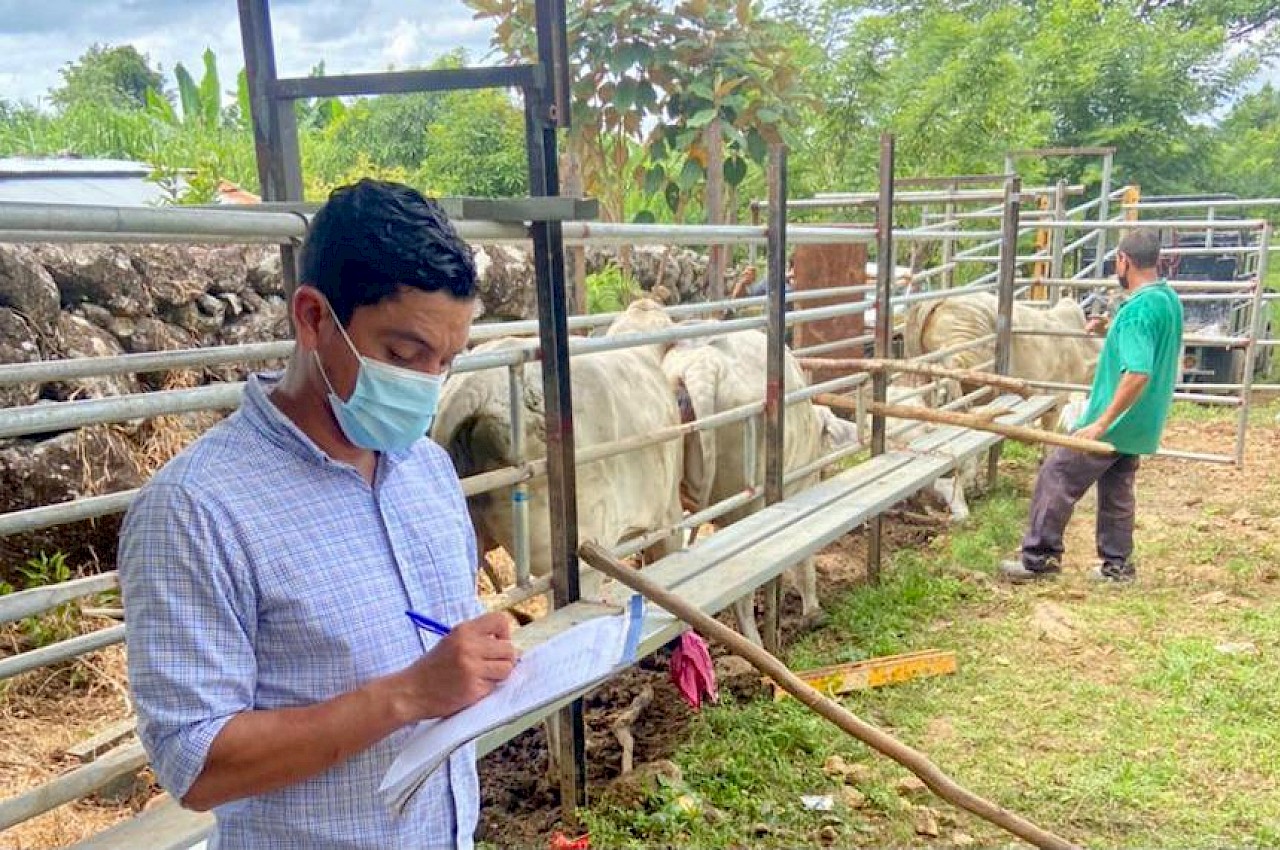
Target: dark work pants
point(1065, 477)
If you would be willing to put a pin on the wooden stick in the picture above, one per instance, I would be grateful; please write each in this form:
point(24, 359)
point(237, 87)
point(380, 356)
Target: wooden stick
point(882, 742)
point(990, 379)
point(977, 422)
point(622, 725)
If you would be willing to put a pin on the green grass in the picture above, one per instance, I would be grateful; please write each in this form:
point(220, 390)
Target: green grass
point(1140, 732)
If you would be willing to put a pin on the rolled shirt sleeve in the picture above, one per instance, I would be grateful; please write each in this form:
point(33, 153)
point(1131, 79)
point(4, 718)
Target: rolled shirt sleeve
point(189, 615)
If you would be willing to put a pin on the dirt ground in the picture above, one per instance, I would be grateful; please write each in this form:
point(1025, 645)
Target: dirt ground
point(41, 714)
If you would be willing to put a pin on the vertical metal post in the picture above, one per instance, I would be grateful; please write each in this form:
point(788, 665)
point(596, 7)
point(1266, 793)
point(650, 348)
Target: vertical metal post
point(775, 378)
point(948, 242)
point(1257, 314)
point(553, 334)
point(1058, 238)
point(275, 127)
point(1104, 210)
point(1208, 236)
point(717, 259)
point(520, 492)
point(1007, 272)
point(885, 259)
point(755, 222)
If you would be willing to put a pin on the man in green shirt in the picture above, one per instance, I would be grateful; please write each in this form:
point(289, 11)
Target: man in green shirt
point(1132, 390)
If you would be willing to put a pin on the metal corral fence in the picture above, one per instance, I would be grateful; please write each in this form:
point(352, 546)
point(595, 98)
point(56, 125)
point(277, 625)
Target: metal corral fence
point(52, 223)
point(44, 223)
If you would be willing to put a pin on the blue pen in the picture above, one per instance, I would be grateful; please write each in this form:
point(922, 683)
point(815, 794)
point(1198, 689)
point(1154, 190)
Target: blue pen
point(428, 624)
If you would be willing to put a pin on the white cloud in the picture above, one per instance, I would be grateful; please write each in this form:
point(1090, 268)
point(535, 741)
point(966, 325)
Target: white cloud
point(349, 36)
point(403, 44)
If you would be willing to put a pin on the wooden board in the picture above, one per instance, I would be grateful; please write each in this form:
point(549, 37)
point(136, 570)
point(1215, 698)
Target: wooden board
point(876, 672)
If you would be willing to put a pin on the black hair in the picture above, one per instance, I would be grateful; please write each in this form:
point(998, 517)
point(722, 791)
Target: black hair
point(1142, 247)
point(373, 237)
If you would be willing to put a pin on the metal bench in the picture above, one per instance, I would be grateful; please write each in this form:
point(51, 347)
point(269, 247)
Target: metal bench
point(711, 574)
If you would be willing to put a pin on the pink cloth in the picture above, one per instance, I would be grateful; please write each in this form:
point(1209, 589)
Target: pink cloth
point(692, 670)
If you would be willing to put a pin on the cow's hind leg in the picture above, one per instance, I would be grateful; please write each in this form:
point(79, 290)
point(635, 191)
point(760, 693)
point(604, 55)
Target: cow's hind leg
point(805, 577)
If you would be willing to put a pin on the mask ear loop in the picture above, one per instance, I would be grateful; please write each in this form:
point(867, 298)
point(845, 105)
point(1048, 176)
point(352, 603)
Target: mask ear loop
point(316, 354)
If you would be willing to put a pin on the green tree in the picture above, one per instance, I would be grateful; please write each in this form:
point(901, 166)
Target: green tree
point(115, 76)
point(1247, 146)
point(475, 147)
point(960, 82)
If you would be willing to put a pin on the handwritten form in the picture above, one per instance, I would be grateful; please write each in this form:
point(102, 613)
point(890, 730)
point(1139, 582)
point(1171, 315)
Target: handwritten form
point(569, 662)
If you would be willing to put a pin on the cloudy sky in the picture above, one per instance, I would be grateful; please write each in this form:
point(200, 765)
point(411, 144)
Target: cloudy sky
point(37, 37)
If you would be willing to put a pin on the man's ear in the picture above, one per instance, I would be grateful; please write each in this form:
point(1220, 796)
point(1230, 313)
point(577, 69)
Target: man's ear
point(310, 312)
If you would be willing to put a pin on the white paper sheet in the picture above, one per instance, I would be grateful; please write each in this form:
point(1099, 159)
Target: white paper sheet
point(568, 662)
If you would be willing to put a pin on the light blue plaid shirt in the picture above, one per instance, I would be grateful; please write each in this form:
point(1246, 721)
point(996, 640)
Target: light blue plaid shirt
point(258, 573)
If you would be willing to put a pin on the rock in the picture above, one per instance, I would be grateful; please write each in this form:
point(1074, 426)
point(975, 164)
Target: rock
point(636, 787)
point(67, 466)
point(150, 334)
point(27, 288)
point(962, 839)
point(1054, 623)
point(78, 337)
point(104, 275)
point(234, 306)
point(263, 272)
point(19, 343)
point(737, 675)
point(680, 271)
point(95, 314)
point(172, 276)
point(835, 767)
point(925, 822)
point(828, 834)
point(226, 268)
point(911, 786)
point(505, 279)
point(270, 322)
point(852, 797)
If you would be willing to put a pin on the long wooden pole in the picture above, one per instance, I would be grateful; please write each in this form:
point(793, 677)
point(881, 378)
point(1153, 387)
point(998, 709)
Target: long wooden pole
point(912, 759)
point(969, 376)
point(977, 422)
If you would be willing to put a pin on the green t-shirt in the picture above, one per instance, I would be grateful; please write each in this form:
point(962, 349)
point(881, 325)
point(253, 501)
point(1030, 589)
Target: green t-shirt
point(1145, 338)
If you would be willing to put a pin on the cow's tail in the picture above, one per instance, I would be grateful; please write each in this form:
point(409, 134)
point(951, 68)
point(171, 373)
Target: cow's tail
point(917, 324)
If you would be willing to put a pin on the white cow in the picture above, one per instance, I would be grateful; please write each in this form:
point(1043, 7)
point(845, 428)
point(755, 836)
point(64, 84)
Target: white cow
point(717, 374)
point(616, 395)
point(934, 325)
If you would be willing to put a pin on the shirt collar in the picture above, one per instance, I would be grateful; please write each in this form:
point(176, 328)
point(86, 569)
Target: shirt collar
point(271, 422)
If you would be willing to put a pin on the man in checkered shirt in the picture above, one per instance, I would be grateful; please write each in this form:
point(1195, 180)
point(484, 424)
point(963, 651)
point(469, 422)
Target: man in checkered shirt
point(267, 569)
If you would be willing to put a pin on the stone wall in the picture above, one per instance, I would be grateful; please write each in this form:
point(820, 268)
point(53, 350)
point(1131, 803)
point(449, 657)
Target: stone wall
point(64, 301)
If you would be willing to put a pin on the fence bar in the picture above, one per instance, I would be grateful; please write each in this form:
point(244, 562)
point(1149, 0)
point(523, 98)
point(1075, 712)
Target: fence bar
point(40, 371)
point(885, 259)
point(1205, 205)
point(1177, 285)
point(1210, 458)
point(66, 415)
point(72, 786)
point(1257, 315)
point(75, 510)
point(1146, 224)
point(63, 650)
point(37, 600)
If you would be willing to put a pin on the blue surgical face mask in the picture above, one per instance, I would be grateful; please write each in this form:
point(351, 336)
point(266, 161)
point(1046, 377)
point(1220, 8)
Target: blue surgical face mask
point(390, 408)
